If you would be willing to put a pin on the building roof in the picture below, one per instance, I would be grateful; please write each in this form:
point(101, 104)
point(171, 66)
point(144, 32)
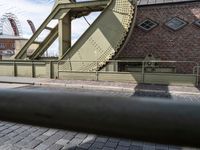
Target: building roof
point(152, 2)
point(11, 37)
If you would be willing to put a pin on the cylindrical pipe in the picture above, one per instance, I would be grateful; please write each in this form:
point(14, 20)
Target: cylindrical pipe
point(160, 121)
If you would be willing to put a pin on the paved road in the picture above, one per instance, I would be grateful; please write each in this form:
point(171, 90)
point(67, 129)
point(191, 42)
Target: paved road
point(23, 137)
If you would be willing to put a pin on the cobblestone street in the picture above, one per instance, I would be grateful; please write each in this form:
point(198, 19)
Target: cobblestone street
point(25, 137)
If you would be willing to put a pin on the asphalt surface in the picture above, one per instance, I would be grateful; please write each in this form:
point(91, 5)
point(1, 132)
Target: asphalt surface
point(15, 136)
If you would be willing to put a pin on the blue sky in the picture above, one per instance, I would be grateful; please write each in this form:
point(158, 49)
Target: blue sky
point(37, 11)
point(42, 1)
point(27, 9)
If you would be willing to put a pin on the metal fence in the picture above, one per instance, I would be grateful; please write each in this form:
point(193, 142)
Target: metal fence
point(156, 67)
point(156, 71)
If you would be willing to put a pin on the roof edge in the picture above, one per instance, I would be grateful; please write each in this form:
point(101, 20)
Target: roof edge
point(168, 3)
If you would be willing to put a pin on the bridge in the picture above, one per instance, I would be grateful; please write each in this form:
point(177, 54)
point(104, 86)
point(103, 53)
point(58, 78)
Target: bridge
point(92, 57)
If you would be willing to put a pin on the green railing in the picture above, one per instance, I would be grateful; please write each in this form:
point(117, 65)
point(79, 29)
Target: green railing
point(151, 67)
point(144, 71)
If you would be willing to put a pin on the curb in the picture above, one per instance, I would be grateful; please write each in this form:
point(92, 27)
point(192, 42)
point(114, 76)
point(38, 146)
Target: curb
point(112, 88)
point(85, 86)
point(15, 82)
point(99, 87)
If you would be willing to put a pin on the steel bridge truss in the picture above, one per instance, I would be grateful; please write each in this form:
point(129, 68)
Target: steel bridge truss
point(64, 12)
point(102, 41)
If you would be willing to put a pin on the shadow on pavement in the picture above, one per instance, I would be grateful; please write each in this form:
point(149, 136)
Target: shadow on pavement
point(151, 90)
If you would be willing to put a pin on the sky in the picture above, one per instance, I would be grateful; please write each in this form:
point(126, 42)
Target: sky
point(37, 11)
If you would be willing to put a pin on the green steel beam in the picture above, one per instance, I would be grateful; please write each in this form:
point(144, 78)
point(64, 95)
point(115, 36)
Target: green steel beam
point(104, 38)
point(45, 44)
point(60, 7)
point(64, 34)
point(62, 1)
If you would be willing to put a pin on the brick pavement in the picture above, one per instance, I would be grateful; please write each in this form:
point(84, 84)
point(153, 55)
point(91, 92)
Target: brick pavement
point(25, 137)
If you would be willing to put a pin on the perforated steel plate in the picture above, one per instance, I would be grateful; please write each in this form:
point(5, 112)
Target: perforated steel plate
point(104, 38)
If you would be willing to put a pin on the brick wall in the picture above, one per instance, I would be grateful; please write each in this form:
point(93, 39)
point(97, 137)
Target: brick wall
point(162, 42)
point(7, 44)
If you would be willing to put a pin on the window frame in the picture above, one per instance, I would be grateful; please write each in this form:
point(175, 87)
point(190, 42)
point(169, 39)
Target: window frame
point(185, 23)
point(147, 30)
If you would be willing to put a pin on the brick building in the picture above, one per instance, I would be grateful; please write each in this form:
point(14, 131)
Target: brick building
point(9, 45)
point(165, 30)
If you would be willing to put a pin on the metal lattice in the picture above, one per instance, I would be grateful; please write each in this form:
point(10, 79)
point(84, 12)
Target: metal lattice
point(104, 38)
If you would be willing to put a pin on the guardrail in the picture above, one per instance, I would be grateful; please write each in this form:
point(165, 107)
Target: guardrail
point(148, 71)
point(28, 68)
point(67, 66)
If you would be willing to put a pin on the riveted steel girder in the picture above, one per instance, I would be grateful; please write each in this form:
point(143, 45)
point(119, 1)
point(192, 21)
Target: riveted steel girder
point(56, 13)
point(104, 38)
point(45, 44)
point(100, 43)
point(64, 34)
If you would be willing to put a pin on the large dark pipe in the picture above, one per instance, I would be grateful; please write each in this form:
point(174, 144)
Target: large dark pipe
point(159, 121)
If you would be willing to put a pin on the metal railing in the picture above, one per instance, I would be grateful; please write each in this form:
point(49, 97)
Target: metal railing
point(196, 70)
point(81, 67)
point(31, 63)
point(115, 63)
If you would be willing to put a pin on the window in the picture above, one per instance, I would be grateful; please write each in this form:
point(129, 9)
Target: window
point(13, 45)
point(147, 25)
point(197, 23)
point(2, 45)
point(176, 23)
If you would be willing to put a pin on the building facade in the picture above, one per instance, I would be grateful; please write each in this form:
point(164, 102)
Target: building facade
point(166, 31)
point(9, 45)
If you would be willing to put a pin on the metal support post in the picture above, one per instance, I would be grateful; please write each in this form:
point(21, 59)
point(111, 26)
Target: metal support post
point(33, 69)
point(64, 33)
point(143, 71)
point(14, 69)
point(197, 75)
point(58, 70)
point(51, 70)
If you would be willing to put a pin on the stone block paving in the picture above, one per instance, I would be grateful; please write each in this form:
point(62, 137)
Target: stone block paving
point(26, 137)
